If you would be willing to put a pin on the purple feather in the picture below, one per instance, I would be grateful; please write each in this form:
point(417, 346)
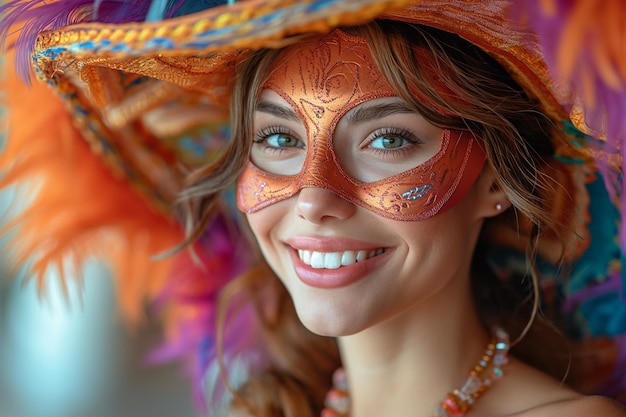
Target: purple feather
point(190, 299)
point(606, 112)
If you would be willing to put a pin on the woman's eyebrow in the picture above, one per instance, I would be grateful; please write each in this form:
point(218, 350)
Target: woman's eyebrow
point(367, 111)
point(277, 110)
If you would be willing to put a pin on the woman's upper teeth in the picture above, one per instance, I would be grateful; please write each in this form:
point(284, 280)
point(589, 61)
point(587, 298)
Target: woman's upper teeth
point(334, 260)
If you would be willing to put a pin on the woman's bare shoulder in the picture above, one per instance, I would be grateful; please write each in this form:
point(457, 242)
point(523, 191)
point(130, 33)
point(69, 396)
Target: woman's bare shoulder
point(531, 393)
point(581, 406)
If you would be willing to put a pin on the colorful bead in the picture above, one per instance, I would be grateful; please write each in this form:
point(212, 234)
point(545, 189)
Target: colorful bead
point(453, 406)
point(440, 412)
point(472, 385)
point(500, 359)
point(338, 400)
point(329, 413)
point(497, 373)
point(340, 379)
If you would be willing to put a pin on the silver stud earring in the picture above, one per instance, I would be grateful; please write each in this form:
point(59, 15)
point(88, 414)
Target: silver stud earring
point(498, 206)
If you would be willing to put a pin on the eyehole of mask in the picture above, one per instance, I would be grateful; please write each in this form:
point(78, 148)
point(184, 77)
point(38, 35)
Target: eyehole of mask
point(384, 137)
point(279, 144)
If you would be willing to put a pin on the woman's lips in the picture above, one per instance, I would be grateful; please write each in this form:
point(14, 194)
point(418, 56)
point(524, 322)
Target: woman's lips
point(333, 262)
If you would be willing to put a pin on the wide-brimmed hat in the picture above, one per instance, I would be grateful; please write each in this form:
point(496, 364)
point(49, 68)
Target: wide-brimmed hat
point(145, 91)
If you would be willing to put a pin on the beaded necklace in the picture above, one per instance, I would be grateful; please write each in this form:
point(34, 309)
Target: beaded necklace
point(457, 403)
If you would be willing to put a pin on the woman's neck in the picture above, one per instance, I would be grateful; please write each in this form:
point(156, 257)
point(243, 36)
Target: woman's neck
point(406, 365)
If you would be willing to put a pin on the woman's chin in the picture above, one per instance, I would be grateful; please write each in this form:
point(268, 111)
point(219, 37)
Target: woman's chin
point(329, 322)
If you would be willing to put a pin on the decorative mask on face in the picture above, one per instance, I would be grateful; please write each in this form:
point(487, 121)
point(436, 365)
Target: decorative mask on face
point(322, 79)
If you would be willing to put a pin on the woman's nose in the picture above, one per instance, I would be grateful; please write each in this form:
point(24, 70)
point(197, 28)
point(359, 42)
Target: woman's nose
point(317, 204)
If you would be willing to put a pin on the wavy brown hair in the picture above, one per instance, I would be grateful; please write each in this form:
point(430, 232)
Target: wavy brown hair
point(518, 141)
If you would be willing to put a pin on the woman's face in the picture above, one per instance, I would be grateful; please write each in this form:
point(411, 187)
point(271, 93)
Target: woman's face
point(347, 263)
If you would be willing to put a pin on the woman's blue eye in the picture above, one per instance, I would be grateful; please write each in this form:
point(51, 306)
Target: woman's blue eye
point(283, 141)
point(389, 142)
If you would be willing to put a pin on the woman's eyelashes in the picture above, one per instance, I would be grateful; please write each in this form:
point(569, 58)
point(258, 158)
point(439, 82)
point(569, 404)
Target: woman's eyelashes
point(390, 142)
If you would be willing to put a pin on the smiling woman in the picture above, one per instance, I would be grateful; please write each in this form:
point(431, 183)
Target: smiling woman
point(425, 229)
point(373, 199)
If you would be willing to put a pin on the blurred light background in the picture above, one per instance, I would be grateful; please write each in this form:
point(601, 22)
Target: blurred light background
point(77, 359)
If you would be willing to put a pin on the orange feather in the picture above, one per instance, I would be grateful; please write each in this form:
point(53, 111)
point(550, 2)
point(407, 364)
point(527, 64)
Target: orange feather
point(79, 208)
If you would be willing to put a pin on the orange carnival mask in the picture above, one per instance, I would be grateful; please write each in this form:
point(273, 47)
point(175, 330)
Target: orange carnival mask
point(324, 78)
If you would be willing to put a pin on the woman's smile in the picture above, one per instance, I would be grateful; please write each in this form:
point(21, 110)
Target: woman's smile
point(324, 269)
point(333, 252)
point(334, 260)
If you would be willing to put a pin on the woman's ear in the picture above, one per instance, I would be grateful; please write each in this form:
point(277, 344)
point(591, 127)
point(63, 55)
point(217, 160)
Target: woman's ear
point(492, 199)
